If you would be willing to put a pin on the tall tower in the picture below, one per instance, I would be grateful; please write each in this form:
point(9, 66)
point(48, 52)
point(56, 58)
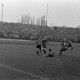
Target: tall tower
point(47, 15)
point(2, 16)
point(2, 12)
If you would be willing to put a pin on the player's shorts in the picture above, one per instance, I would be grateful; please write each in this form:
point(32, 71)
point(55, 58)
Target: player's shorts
point(69, 45)
point(63, 49)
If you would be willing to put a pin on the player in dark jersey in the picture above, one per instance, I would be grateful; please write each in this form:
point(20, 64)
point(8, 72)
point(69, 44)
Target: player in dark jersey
point(38, 46)
point(44, 45)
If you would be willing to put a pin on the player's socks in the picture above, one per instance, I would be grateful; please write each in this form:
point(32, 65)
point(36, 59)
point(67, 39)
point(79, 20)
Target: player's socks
point(44, 51)
point(60, 53)
point(37, 53)
point(71, 48)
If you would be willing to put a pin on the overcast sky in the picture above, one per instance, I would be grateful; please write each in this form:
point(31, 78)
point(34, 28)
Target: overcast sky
point(60, 12)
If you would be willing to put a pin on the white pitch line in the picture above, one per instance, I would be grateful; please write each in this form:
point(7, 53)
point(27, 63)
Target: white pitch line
point(23, 72)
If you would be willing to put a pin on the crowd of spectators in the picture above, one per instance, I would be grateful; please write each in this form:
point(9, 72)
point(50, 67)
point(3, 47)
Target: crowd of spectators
point(33, 32)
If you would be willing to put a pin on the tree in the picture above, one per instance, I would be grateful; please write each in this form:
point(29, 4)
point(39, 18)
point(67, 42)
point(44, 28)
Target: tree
point(28, 19)
point(38, 21)
point(32, 20)
point(25, 19)
point(22, 19)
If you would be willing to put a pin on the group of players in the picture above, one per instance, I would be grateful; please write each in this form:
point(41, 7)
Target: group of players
point(41, 47)
point(66, 43)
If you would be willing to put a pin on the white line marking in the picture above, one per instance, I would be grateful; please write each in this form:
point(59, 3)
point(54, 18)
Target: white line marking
point(23, 72)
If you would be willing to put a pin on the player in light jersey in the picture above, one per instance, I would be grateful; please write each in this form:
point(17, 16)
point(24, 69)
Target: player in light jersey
point(64, 47)
point(69, 45)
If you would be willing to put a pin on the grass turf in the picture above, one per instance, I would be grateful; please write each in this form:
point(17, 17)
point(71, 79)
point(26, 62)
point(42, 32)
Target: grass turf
point(23, 57)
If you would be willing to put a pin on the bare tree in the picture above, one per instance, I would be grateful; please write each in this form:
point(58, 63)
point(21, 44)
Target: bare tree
point(32, 20)
point(22, 20)
point(38, 21)
point(28, 19)
point(25, 19)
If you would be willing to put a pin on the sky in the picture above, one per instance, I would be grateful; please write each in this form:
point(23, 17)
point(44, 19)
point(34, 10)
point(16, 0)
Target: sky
point(60, 12)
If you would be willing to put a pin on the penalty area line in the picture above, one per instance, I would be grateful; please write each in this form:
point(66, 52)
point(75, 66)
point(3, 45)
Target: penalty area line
point(23, 72)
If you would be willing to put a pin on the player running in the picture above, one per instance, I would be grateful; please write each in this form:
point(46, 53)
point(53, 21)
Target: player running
point(69, 45)
point(64, 46)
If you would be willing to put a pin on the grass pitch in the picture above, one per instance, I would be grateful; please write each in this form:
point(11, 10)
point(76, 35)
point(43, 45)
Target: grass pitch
point(22, 56)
